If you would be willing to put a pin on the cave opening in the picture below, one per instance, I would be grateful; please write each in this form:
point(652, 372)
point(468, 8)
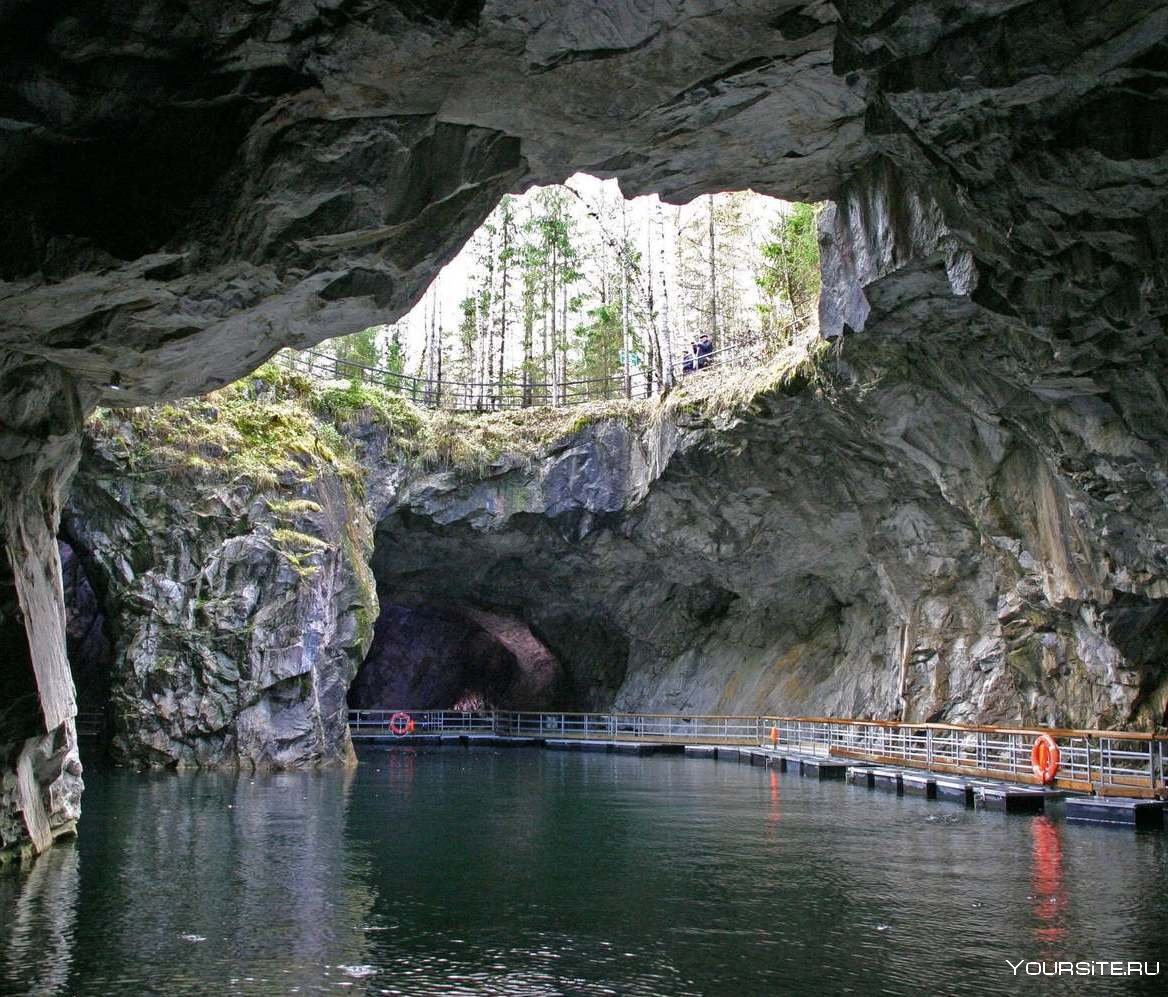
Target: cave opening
point(505, 324)
point(435, 655)
point(88, 644)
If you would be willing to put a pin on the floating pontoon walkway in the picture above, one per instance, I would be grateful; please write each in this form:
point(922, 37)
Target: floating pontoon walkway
point(1106, 777)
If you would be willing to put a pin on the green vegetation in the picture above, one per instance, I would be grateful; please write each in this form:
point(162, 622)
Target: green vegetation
point(277, 428)
point(347, 403)
point(257, 430)
point(291, 508)
point(790, 271)
point(570, 283)
point(470, 442)
point(359, 348)
point(794, 369)
point(294, 540)
point(297, 549)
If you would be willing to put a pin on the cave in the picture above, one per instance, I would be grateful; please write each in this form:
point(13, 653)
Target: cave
point(90, 649)
point(938, 524)
point(456, 657)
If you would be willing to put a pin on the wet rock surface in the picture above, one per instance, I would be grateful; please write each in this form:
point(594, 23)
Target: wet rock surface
point(40, 770)
point(877, 538)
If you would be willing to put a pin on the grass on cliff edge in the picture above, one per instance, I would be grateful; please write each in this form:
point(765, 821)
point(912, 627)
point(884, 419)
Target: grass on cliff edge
point(236, 433)
point(276, 424)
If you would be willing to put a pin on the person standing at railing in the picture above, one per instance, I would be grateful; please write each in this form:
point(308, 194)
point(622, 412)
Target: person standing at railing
point(702, 350)
point(687, 362)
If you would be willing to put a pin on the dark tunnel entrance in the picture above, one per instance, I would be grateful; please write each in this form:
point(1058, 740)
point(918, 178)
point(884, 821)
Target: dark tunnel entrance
point(88, 646)
point(456, 657)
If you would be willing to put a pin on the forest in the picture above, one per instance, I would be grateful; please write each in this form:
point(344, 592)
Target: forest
point(570, 292)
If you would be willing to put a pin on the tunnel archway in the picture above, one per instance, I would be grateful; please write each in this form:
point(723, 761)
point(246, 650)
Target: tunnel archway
point(456, 656)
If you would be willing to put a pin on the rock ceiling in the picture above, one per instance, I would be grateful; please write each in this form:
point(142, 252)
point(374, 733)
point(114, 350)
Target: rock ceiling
point(188, 187)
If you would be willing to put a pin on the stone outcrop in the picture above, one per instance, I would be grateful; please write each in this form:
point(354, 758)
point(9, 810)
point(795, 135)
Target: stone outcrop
point(40, 771)
point(190, 190)
point(239, 606)
point(895, 542)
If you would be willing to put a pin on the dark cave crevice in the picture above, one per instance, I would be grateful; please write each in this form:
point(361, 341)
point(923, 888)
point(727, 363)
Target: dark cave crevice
point(88, 642)
point(446, 656)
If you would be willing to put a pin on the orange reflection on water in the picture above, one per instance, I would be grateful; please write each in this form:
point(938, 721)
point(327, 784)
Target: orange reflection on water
point(1048, 888)
point(773, 811)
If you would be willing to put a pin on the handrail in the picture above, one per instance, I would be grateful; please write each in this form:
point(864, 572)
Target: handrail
point(494, 396)
point(1109, 762)
point(907, 724)
point(1134, 735)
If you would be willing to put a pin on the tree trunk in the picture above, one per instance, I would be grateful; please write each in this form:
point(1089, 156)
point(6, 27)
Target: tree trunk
point(543, 320)
point(652, 345)
point(626, 339)
point(528, 343)
point(489, 371)
point(664, 344)
point(505, 261)
point(564, 343)
point(713, 274)
point(555, 338)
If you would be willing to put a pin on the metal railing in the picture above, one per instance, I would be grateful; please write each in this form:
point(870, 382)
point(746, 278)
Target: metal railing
point(376, 723)
point(515, 393)
point(1110, 763)
point(630, 727)
point(1122, 763)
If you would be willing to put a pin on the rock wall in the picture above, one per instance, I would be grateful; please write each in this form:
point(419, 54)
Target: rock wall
point(240, 609)
point(191, 187)
point(894, 541)
point(40, 771)
point(873, 537)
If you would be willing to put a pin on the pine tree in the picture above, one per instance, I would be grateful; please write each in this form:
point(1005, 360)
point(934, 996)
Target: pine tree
point(565, 287)
point(507, 254)
point(394, 363)
point(351, 353)
point(789, 272)
point(664, 345)
point(531, 263)
point(468, 334)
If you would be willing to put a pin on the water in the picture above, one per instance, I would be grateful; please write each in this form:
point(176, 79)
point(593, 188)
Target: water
point(518, 871)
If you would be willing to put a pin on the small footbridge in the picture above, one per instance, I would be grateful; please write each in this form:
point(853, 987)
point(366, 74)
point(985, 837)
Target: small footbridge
point(1106, 776)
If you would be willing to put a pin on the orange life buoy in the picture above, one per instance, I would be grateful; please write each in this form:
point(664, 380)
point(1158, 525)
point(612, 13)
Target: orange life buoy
point(401, 723)
point(1044, 758)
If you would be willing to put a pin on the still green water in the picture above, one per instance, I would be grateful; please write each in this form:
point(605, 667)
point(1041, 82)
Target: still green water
point(519, 871)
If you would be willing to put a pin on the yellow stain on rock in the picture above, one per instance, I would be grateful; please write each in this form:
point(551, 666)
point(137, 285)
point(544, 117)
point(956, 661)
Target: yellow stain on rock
point(729, 693)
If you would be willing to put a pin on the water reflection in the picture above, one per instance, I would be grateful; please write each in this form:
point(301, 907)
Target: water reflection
point(511, 871)
point(194, 876)
point(773, 813)
point(43, 906)
point(1048, 887)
